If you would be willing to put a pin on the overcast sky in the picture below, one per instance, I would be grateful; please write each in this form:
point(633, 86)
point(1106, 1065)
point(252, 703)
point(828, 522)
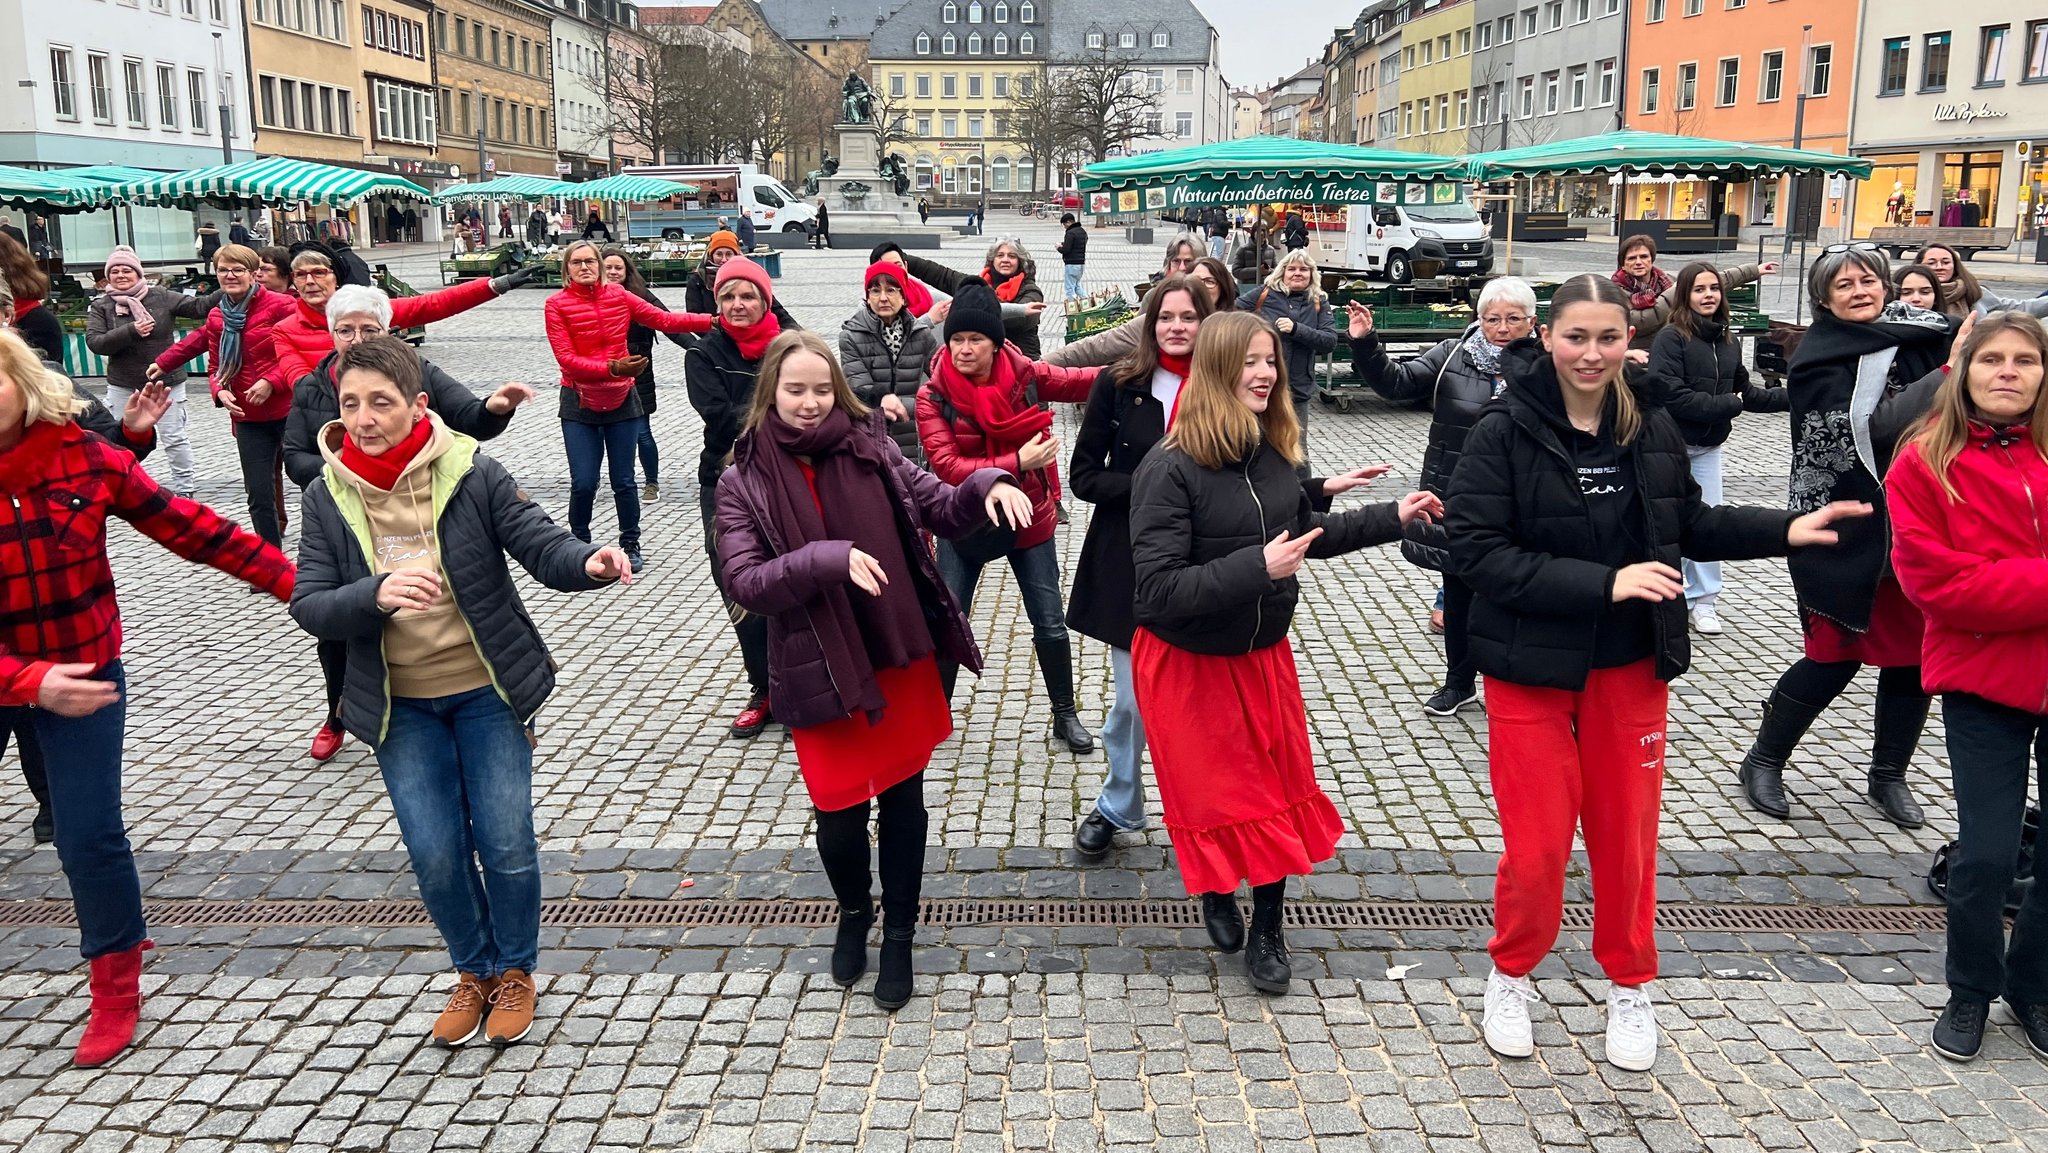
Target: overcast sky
point(1265, 41)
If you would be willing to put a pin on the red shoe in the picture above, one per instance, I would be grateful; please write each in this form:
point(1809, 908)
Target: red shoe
point(327, 741)
point(752, 719)
point(116, 1004)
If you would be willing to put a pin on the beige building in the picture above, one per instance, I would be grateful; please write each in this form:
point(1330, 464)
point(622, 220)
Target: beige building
point(493, 55)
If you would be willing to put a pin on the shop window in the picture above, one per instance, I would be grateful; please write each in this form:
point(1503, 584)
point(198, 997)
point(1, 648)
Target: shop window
point(1934, 62)
point(1891, 79)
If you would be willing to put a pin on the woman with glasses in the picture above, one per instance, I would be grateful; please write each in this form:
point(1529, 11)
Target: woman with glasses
point(303, 339)
point(1010, 271)
point(1960, 292)
point(1464, 376)
point(1653, 295)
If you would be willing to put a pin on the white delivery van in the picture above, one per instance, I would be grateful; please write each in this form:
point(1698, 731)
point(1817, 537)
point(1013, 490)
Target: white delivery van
point(1388, 239)
point(722, 190)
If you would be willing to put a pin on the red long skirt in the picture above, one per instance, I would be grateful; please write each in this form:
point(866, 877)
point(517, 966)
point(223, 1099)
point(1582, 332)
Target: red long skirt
point(1230, 750)
point(1893, 641)
point(848, 761)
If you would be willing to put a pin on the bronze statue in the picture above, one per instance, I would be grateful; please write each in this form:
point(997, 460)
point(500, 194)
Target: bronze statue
point(857, 101)
point(829, 166)
point(896, 171)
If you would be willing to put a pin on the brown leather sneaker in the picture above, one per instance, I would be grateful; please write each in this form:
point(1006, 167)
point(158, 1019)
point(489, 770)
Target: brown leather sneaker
point(511, 1008)
point(459, 1022)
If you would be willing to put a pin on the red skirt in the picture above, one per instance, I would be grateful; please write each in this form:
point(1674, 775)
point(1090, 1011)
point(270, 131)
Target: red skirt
point(1893, 641)
point(849, 761)
point(1229, 738)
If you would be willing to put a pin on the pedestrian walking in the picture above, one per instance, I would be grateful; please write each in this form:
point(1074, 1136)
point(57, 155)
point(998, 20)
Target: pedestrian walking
point(1865, 372)
point(404, 555)
point(984, 407)
point(887, 353)
point(536, 228)
point(924, 210)
point(1010, 271)
point(746, 232)
point(206, 241)
point(1073, 250)
point(30, 287)
point(129, 325)
point(819, 525)
point(620, 269)
point(821, 227)
point(1220, 525)
point(238, 233)
point(1697, 362)
point(60, 652)
point(1570, 507)
point(1968, 545)
point(1292, 299)
point(588, 321)
point(504, 223)
point(304, 338)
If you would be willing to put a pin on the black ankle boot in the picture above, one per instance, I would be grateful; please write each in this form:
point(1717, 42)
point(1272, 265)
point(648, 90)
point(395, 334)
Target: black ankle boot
point(1900, 719)
point(1224, 920)
point(892, 977)
point(1056, 665)
point(1265, 948)
point(1763, 768)
point(44, 827)
point(850, 949)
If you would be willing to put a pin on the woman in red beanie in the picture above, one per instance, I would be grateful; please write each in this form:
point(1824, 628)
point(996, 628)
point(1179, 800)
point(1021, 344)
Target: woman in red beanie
point(887, 349)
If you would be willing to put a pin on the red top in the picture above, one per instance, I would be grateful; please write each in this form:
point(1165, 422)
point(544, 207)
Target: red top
point(303, 341)
point(587, 328)
point(956, 448)
point(267, 310)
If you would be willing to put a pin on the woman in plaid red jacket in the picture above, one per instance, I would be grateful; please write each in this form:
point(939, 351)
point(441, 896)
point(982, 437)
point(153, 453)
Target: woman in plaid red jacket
point(60, 649)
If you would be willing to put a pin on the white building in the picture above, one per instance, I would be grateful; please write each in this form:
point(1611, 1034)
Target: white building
point(139, 83)
point(583, 122)
point(1175, 46)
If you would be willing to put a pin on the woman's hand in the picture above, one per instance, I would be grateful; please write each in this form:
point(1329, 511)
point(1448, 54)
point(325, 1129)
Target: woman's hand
point(225, 397)
point(939, 312)
point(1033, 307)
point(610, 564)
point(1356, 478)
point(1813, 529)
point(866, 572)
point(259, 392)
point(1639, 356)
point(508, 398)
point(1285, 324)
point(1041, 452)
point(408, 589)
point(1361, 320)
point(145, 407)
point(893, 410)
point(1648, 581)
point(1767, 267)
point(1284, 556)
point(145, 324)
point(1424, 506)
point(1009, 501)
point(153, 372)
point(69, 691)
point(1955, 350)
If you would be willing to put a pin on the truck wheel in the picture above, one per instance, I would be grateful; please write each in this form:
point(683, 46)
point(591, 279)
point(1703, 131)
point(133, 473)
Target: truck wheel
point(671, 234)
point(792, 226)
point(1399, 271)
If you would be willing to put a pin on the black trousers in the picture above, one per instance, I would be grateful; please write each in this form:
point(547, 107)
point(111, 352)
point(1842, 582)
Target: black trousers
point(1457, 635)
point(260, 446)
point(751, 630)
point(19, 722)
point(1991, 752)
point(334, 670)
point(900, 833)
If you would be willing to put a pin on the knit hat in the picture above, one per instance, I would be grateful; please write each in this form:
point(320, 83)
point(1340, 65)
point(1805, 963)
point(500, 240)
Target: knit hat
point(124, 257)
point(740, 268)
point(975, 309)
point(721, 239)
point(895, 272)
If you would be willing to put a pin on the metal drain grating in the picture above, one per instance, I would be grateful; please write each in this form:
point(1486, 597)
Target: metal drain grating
point(1391, 916)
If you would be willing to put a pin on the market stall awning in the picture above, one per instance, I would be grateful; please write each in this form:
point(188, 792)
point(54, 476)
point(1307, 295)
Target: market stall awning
point(628, 189)
point(45, 191)
point(1260, 170)
point(508, 187)
point(1657, 154)
point(273, 179)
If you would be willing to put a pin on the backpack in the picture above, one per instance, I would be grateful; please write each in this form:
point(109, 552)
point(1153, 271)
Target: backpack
point(2023, 873)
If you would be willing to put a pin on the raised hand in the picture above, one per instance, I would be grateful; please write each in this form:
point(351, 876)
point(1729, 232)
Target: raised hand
point(1813, 529)
point(1361, 320)
point(1648, 581)
point(1009, 501)
point(1042, 451)
point(414, 589)
point(1425, 506)
point(508, 398)
point(1767, 267)
point(69, 692)
point(866, 572)
point(609, 564)
point(146, 406)
point(1284, 556)
point(1356, 478)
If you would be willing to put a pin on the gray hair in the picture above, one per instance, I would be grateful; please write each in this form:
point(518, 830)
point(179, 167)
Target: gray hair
point(1821, 277)
point(358, 300)
point(1024, 262)
point(1189, 239)
point(1508, 290)
point(1277, 279)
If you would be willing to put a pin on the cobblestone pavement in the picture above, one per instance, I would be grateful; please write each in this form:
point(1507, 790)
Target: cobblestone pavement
point(1067, 1037)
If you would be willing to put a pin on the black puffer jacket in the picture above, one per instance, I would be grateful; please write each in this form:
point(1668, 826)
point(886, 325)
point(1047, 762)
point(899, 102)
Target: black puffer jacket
point(1459, 391)
point(1198, 541)
point(315, 402)
point(1022, 330)
point(1704, 385)
point(1312, 336)
point(1520, 533)
point(640, 342)
point(721, 383)
point(875, 372)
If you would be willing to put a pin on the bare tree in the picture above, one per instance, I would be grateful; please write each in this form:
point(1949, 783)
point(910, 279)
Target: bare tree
point(1037, 122)
point(1105, 101)
point(652, 98)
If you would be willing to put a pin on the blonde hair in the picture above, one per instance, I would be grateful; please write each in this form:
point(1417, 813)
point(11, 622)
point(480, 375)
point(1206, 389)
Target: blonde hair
point(1214, 428)
point(1946, 431)
point(45, 394)
point(769, 377)
point(241, 256)
point(1276, 280)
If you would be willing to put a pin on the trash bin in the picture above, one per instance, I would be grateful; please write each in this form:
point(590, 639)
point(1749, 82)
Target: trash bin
point(2041, 246)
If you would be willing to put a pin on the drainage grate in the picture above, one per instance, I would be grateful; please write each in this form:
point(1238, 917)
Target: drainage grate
point(1394, 916)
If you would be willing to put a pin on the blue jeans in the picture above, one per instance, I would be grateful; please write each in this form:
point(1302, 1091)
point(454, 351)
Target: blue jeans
point(1703, 577)
point(590, 447)
point(1074, 272)
point(1217, 245)
point(92, 839)
point(460, 773)
point(650, 453)
point(1122, 799)
point(1038, 577)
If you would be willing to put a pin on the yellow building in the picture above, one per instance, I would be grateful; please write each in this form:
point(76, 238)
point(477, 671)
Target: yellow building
point(308, 86)
point(952, 69)
point(493, 54)
point(1436, 79)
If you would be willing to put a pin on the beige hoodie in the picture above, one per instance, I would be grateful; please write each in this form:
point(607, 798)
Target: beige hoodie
point(428, 652)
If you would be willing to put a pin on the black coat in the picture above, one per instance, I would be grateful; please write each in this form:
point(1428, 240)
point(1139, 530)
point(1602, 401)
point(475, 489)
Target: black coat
point(1521, 533)
point(1022, 330)
point(640, 342)
point(1705, 386)
point(315, 402)
point(874, 372)
point(721, 384)
point(1459, 392)
point(1198, 540)
point(698, 296)
point(43, 332)
point(1073, 247)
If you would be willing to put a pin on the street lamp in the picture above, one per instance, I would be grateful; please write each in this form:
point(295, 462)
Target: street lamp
point(1798, 132)
point(220, 69)
point(476, 86)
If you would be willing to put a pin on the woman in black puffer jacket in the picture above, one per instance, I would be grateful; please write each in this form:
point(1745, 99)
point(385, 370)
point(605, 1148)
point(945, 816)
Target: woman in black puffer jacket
point(1292, 300)
point(1697, 363)
point(887, 353)
point(1461, 377)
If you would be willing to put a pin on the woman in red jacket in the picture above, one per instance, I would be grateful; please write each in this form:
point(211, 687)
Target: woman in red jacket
point(243, 374)
point(1971, 552)
point(588, 322)
point(982, 408)
point(60, 650)
point(303, 340)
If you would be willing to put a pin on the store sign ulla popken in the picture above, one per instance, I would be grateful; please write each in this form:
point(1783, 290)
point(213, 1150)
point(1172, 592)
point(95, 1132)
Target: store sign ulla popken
point(1965, 113)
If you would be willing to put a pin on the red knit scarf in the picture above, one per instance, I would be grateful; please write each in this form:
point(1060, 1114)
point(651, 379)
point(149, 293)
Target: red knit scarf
point(382, 472)
point(753, 340)
point(1006, 288)
point(1179, 366)
point(991, 405)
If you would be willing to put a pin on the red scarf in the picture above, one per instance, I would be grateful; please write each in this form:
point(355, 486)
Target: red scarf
point(753, 339)
point(382, 472)
point(1177, 365)
point(23, 307)
point(1007, 288)
point(992, 405)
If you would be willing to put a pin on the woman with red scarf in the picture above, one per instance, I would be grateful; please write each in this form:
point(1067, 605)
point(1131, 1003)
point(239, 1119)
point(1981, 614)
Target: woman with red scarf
point(982, 408)
point(303, 339)
point(36, 324)
point(1652, 295)
point(1011, 273)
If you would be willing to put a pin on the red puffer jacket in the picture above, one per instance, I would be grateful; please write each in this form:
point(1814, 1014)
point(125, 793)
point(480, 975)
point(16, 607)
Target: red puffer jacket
point(303, 341)
point(259, 355)
point(957, 448)
point(56, 590)
point(587, 329)
point(1977, 566)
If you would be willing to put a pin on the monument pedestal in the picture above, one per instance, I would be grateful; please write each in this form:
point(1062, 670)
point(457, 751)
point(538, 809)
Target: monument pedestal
point(865, 207)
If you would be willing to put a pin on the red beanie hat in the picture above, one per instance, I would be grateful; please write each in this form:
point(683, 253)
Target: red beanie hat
point(895, 272)
point(740, 268)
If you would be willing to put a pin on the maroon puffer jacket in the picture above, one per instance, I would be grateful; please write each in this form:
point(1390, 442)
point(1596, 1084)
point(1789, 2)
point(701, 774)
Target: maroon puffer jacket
point(587, 327)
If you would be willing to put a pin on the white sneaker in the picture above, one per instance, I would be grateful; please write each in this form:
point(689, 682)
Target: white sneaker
point(1631, 1029)
point(1706, 620)
point(1506, 1023)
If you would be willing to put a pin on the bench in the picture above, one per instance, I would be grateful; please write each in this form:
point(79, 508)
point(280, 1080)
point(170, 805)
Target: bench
point(1899, 239)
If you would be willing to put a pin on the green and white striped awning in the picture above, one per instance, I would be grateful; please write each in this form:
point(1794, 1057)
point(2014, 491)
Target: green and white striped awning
point(511, 187)
point(45, 191)
point(628, 189)
point(274, 179)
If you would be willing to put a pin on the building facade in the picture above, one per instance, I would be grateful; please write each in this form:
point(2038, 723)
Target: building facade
point(583, 123)
point(837, 40)
point(954, 68)
point(1176, 49)
point(629, 56)
point(1288, 108)
point(491, 54)
point(307, 80)
point(1246, 113)
point(1436, 97)
point(1944, 100)
point(1549, 70)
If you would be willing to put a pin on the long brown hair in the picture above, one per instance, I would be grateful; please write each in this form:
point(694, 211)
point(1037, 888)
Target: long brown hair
point(1226, 283)
point(1215, 428)
point(1942, 437)
point(28, 282)
point(769, 377)
point(1589, 288)
point(1137, 365)
point(1682, 315)
point(1971, 293)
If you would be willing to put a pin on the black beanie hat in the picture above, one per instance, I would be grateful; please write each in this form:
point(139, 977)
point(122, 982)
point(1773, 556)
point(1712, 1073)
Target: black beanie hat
point(975, 309)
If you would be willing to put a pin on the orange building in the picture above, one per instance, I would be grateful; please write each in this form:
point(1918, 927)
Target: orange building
point(1732, 70)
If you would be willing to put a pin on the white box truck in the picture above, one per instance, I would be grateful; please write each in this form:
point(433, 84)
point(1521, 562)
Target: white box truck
point(722, 190)
point(1389, 239)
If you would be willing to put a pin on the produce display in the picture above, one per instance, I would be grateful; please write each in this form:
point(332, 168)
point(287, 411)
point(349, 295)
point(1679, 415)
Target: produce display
point(1097, 312)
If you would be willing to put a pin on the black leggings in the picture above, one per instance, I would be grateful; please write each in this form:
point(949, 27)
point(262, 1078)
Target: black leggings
point(334, 670)
point(900, 831)
point(1457, 635)
point(1817, 684)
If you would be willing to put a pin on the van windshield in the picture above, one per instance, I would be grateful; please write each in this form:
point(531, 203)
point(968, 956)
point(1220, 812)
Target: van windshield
point(1443, 214)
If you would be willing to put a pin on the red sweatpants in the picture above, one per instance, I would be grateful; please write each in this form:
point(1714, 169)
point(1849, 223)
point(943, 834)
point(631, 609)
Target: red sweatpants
point(1561, 761)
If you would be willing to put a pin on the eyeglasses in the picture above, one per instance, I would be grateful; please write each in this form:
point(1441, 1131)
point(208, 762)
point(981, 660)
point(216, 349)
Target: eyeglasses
point(346, 332)
point(1853, 246)
point(313, 274)
point(1504, 321)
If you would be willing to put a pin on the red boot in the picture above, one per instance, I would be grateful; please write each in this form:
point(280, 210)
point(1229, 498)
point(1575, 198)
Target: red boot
point(116, 1004)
